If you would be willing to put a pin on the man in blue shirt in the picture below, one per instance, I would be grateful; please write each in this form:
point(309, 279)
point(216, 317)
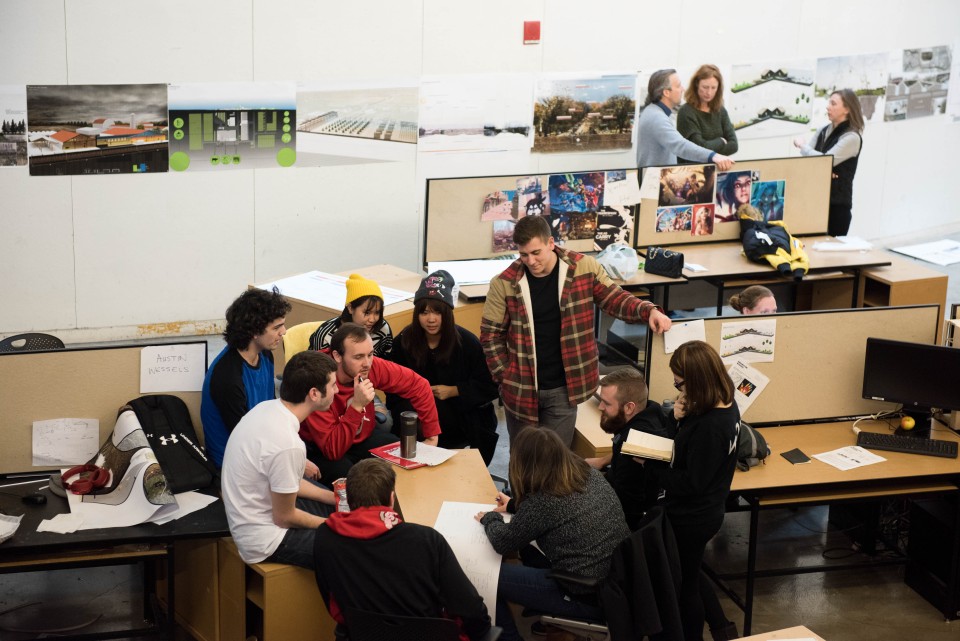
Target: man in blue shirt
point(242, 374)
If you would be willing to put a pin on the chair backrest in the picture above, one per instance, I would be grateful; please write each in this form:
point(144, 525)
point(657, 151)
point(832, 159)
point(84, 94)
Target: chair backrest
point(374, 626)
point(297, 338)
point(32, 342)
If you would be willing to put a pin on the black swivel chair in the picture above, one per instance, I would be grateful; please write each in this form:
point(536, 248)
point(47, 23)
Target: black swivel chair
point(374, 626)
point(640, 596)
point(32, 342)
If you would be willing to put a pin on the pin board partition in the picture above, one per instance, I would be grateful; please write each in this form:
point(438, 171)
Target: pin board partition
point(817, 371)
point(70, 383)
point(453, 229)
point(805, 198)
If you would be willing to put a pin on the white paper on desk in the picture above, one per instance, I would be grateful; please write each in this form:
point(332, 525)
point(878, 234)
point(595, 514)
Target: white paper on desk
point(426, 454)
point(748, 384)
point(940, 252)
point(473, 272)
point(9, 525)
point(65, 441)
point(848, 458)
point(623, 192)
point(680, 333)
point(328, 290)
point(467, 538)
point(187, 502)
point(695, 267)
point(749, 341)
point(843, 244)
point(172, 368)
point(61, 524)
point(650, 187)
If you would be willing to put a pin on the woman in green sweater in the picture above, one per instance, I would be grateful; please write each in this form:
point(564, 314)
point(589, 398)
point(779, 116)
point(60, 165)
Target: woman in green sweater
point(702, 119)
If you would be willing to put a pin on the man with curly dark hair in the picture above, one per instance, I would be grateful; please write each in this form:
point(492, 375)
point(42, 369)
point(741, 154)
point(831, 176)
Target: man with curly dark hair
point(242, 374)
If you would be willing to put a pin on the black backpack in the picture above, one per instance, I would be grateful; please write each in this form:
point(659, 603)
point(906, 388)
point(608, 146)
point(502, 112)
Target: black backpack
point(752, 448)
point(166, 423)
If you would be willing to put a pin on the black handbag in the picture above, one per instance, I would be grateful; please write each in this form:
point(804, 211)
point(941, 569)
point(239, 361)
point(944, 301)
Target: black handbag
point(663, 262)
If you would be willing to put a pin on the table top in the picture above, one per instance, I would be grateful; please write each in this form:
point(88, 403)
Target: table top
point(421, 492)
point(778, 474)
point(797, 632)
point(210, 521)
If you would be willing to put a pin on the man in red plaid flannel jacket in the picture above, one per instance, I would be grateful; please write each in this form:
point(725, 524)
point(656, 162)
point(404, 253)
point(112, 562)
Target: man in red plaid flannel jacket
point(537, 329)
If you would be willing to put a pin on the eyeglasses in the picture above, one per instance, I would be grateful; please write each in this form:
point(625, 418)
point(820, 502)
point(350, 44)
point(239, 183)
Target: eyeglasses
point(741, 185)
point(679, 385)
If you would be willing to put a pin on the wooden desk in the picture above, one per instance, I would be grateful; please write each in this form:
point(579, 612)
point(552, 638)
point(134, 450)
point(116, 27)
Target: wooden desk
point(903, 282)
point(797, 632)
point(421, 492)
point(778, 483)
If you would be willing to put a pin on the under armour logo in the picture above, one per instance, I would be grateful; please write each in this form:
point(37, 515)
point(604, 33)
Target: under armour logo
point(164, 439)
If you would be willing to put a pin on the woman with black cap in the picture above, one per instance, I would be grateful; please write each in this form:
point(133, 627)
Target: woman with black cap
point(451, 359)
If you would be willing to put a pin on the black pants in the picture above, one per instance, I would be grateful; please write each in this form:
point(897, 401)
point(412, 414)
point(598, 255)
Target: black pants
point(330, 471)
point(838, 223)
point(691, 542)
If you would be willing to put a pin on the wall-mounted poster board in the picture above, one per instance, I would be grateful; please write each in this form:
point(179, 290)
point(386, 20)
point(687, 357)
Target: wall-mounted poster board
point(697, 203)
point(473, 218)
point(816, 371)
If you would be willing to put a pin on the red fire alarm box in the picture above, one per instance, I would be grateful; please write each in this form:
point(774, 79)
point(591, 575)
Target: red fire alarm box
point(531, 32)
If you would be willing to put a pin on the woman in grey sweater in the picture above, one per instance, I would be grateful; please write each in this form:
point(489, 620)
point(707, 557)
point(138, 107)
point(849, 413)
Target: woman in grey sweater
point(573, 515)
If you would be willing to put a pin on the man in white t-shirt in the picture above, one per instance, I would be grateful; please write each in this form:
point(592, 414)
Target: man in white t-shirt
point(273, 512)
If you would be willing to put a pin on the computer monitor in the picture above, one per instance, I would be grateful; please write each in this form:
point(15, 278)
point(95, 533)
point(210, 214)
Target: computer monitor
point(918, 376)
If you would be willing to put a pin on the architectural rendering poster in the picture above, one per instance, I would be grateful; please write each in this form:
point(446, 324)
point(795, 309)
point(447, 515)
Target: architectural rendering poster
point(918, 84)
point(771, 99)
point(358, 123)
point(866, 74)
point(96, 129)
point(13, 131)
point(230, 126)
point(475, 113)
point(592, 113)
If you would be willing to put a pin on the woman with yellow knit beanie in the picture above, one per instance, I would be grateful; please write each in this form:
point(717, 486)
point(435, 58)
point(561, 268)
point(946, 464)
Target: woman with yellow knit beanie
point(364, 306)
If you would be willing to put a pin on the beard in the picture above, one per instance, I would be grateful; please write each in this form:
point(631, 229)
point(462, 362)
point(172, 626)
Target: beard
point(613, 424)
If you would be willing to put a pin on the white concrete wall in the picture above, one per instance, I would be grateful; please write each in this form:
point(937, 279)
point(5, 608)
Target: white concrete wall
point(108, 257)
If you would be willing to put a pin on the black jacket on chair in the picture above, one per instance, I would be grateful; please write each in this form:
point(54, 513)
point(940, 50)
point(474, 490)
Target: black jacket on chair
point(640, 596)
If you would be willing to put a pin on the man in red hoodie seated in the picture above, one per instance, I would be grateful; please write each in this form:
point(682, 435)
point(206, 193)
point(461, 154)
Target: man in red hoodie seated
point(368, 559)
point(346, 432)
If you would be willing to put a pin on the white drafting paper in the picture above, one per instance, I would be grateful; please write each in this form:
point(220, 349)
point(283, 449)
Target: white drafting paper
point(473, 272)
point(680, 333)
point(187, 502)
point(748, 384)
point(61, 524)
point(172, 368)
point(621, 193)
point(328, 290)
point(650, 187)
point(426, 454)
point(848, 458)
point(750, 341)
point(940, 252)
point(65, 441)
point(9, 525)
point(480, 562)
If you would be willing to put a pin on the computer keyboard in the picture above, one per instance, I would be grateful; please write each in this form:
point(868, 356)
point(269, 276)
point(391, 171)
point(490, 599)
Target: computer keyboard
point(907, 444)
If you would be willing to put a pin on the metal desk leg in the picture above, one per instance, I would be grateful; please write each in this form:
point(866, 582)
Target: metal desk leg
point(751, 566)
point(856, 288)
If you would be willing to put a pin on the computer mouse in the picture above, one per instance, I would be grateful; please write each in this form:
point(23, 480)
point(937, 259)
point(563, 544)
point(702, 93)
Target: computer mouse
point(34, 499)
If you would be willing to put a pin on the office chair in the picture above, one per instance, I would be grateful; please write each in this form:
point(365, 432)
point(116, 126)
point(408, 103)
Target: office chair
point(640, 595)
point(374, 626)
point(297, 338)
point(32, 342)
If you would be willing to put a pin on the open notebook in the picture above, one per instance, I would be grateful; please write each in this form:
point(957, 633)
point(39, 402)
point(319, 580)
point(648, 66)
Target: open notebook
point(648, 446)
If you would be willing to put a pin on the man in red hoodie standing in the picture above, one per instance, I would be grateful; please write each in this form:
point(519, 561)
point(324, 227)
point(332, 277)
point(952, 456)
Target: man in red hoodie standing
point(345, 433)
point(368, 559)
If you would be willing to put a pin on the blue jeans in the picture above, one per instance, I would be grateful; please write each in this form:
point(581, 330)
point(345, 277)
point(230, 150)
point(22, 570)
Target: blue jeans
point(554, 412)
point(531, 588)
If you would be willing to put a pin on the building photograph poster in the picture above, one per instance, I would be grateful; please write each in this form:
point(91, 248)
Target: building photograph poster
point(75, 130)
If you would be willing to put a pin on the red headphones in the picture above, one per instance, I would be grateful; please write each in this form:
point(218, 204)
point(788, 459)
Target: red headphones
point(99, 478)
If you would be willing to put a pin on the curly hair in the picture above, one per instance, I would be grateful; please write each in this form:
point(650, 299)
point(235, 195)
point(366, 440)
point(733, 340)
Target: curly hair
point(249, 315)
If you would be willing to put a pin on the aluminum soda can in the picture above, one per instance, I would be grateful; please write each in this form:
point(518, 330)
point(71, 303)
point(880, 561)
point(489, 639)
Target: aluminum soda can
point(340, 490)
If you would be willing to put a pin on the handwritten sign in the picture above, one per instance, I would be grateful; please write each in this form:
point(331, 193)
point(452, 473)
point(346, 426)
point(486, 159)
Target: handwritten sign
point(172, 368)
point(65, 441)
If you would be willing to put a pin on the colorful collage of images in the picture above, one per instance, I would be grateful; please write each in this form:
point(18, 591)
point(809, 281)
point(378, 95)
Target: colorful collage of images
point(572, 203)
point(694, 199)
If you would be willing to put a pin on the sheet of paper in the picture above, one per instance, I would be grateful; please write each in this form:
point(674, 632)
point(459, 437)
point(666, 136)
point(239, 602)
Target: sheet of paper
point(172, 368)
point(843, 244)
point(848, 458)
point(328, 290)
point(749, 341)
point(9, 525)
point(748, 384)
point(940, 252)
point(621, 193)
point(680, 333)
point(61, 524)
point(694, 267)
point(187, 502)
point(480, 562)
point(473, 272)
point(426, 454)
point(650, 186)
point(65, 441)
